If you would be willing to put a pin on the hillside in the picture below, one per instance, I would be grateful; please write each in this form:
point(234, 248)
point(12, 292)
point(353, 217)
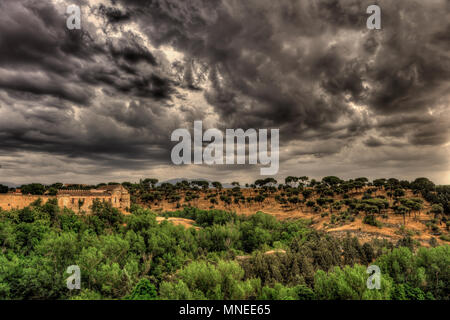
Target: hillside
point(367, 212)
point(173, 251)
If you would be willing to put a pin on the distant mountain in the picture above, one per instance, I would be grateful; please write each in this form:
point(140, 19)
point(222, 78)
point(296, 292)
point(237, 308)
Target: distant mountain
point(175, 181)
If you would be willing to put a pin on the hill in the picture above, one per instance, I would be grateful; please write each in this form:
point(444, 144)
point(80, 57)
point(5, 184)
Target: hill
point(381, 211)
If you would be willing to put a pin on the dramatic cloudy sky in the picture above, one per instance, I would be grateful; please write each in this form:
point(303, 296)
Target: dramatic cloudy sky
point(99, 104)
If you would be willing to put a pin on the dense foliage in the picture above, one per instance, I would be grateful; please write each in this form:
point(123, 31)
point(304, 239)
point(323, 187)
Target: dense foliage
point(227, 257)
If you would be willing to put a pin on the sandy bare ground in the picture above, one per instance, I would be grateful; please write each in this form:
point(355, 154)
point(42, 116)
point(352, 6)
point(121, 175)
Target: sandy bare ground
point(391, 230)
point(187, 223)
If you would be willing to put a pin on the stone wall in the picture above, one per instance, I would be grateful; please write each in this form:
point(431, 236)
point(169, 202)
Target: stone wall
point(83, 203)
point(18, 201)
point(77, 203)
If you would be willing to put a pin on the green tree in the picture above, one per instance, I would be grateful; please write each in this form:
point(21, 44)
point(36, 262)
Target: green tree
point(144, 290)
point(349, 283)
point(202, 280)
point(33, 188)
point(3, 189)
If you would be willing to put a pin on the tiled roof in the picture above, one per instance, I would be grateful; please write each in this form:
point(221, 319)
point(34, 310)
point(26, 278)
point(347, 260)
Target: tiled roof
point(101, 191)
point(111, 187)
point(81, 193)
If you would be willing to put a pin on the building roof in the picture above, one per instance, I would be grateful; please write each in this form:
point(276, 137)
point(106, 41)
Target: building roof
point(113, 187)
point(101, 191)
point(85, 193)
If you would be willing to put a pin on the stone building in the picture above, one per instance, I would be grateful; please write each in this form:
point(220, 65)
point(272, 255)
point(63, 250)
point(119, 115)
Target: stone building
point(76, 200)
point(82, 200)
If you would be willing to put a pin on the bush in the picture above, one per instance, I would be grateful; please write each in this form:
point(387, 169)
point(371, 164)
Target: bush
point(407, 292)
point(370, 220)
point(144, 290)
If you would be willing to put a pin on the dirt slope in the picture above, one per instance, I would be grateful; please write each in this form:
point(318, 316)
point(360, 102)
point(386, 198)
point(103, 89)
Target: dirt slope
point(392, 226)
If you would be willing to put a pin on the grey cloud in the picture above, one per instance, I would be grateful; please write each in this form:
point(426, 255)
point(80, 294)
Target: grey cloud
point(244, 43)
point(309, 68)
point(373, 142)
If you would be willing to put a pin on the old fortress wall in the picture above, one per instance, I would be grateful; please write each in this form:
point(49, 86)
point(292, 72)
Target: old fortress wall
point(19, 201)
point(76, 200)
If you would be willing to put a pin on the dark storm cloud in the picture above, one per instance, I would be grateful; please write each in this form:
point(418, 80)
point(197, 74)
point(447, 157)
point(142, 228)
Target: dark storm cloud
point(373, 142)
point(34, 48)
point(34, 38)
point(42, 86)
point(113, 15)
point(309, 68)
point(286, 64)
point(44, 65)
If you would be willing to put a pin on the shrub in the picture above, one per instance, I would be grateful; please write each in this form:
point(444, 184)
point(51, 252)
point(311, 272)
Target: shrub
point(370, 220)
point(144, 290)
